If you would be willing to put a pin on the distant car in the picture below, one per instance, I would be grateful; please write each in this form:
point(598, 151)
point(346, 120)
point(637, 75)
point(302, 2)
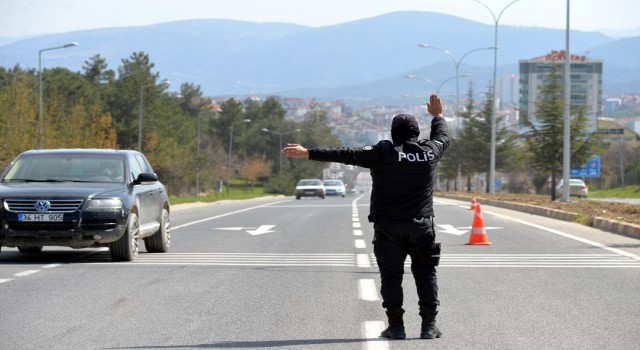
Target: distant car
point(577, 187)
point(310, 188)
point(334, 188)
point(83, 198)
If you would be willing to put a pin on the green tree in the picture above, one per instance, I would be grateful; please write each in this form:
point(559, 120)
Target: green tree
point(474, 153)
point(18, 112)
point(96, 70)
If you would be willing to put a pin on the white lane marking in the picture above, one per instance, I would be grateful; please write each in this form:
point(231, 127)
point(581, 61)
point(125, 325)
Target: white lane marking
point(50, 266)
point(451, 230)
point(357, 232)
point(367, 290)
point(570, 236)
point(232, 259)
point(26, 273)
point(356, 225)
point(262, 230)
point(372, 330)
point(559, 233)
point(355, 219)
point(223, 215)
point(2, 280)
point(362, 260)
point(533, 260)
point(359, 243)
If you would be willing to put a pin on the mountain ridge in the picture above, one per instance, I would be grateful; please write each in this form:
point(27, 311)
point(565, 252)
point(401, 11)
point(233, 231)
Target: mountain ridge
point(229, 57)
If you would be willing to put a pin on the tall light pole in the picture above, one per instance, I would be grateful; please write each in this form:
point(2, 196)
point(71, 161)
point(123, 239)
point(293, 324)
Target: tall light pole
point(566, 144)
point(163, 83)
point(280, 135)
point(411, 76)
point(40, 128)
point(456, 63)
point(492, 163)
point(198, 152)
point(231, 147)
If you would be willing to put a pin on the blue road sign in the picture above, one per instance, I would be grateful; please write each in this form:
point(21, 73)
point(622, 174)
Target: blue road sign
point(591, 169)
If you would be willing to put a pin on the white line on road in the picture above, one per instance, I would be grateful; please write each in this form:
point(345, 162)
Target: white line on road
point(223, 215)
point(26, 273)
point(559, 233)
point(371, 331)
point(367, 290)
point(363, 260)
point(359, 243)
point(356, 225)
point(50, 266)
point(2, 280)
point(357, 232)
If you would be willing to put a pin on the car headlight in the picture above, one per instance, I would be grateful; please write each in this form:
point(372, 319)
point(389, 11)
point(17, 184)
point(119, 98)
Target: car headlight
point(110, 203)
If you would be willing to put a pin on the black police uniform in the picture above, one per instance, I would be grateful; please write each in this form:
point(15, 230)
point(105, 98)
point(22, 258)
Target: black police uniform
point(403, 173)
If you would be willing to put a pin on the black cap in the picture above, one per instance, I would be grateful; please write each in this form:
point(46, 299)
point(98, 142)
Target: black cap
point(404, 127)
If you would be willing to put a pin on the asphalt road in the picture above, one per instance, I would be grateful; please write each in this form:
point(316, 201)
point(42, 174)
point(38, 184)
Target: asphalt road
point(299, 274)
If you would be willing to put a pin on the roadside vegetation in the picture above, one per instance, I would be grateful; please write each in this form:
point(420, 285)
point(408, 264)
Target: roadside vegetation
point(194, 141)
point(626, 192)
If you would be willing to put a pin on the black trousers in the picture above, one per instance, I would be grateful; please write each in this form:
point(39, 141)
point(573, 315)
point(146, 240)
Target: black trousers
point(393, 241)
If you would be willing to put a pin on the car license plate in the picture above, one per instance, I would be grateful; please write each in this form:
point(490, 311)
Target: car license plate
point(40, 217)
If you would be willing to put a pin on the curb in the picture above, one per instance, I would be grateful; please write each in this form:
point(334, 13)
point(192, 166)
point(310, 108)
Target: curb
point(617, 227)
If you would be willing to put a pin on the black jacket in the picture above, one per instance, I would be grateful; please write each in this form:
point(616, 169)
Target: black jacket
point(403, 173)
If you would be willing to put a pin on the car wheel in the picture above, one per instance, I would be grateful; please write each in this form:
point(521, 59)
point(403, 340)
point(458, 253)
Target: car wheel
point(126, 248)
point(30, 250)
point(159, 242)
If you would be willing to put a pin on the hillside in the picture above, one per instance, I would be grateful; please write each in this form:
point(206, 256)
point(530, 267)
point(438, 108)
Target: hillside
point(357, 59)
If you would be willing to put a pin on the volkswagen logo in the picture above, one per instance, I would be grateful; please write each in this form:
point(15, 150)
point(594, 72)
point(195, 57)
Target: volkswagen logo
point(42, 205)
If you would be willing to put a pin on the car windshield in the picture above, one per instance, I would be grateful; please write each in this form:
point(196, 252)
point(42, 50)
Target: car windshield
point(309, 183)
point(333, 183)
point(66, 168)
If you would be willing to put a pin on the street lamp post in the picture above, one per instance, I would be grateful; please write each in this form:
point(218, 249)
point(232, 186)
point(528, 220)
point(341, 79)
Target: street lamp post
point(456, 63)
point(492, 164)
point(411, 76)
point(566, 142)
point(280, 136)
point(231, 147)
point(198, 154)
point(40, 123)
point(163, 83)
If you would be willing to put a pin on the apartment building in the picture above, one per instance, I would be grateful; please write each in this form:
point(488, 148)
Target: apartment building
point(586, 83)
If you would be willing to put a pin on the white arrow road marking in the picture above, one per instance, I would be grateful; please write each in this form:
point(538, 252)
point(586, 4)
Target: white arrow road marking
point(451, 230)
point(486, 228)
point(262, 229)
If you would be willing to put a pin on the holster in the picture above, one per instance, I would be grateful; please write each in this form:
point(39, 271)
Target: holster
point(429, 254)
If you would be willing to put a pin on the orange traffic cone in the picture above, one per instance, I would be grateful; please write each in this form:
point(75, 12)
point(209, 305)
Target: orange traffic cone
point(478, 234)
point(474, 204)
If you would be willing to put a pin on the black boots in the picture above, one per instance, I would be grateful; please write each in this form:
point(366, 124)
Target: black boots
point(396, 326)
point(429, 329)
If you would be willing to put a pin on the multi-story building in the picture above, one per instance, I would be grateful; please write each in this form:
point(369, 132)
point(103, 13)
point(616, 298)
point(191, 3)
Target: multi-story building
point(586, 84)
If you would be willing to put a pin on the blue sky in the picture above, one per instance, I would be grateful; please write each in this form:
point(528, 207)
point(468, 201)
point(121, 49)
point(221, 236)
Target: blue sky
point(33, 17)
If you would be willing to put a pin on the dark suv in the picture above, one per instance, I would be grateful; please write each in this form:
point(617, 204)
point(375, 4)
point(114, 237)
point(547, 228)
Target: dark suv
point(84, 198)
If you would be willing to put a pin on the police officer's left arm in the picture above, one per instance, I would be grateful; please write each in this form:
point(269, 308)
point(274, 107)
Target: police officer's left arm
point(361, 157)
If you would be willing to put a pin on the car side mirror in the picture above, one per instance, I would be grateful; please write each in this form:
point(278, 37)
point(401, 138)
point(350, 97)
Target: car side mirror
point(146, 179)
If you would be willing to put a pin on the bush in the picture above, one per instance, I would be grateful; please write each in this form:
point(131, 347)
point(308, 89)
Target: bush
point(283, 183)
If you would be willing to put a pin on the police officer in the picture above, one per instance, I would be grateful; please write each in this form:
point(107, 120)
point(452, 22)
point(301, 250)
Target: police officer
point(403, 172)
